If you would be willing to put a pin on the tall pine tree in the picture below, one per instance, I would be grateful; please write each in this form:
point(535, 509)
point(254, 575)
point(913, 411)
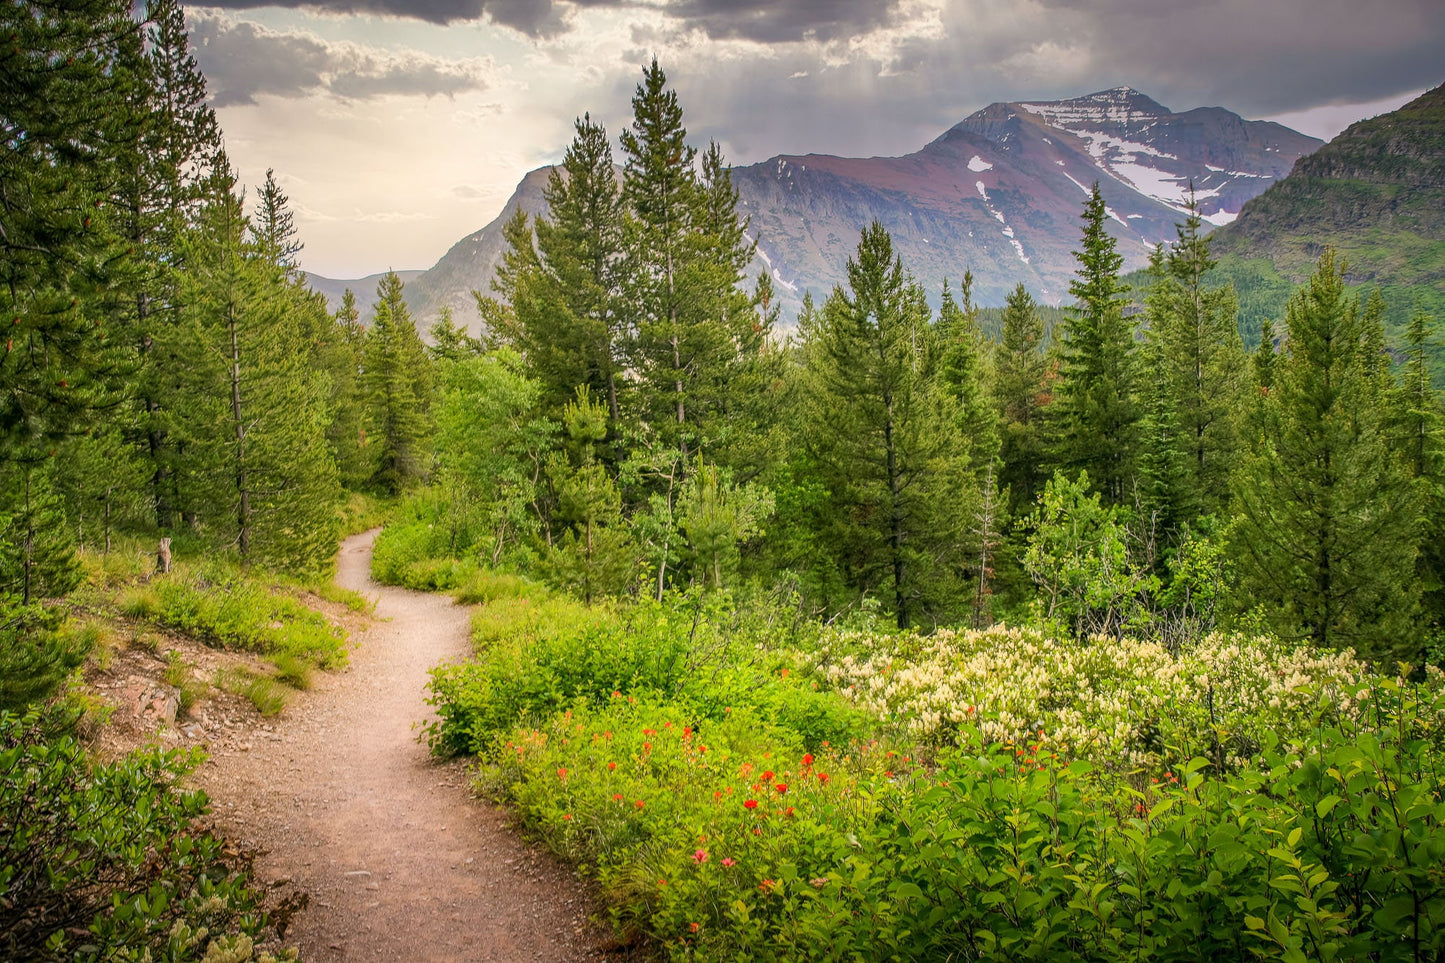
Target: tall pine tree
point(1095, 411)
point(1020, 396)
point(1201, 369)
point(1328, 513)
point(881, 426)
point(397, 388)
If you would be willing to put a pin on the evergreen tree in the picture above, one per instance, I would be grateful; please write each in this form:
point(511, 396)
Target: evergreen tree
point(275, 226)
point(689, 252)
point(1328, 513)
point(348, 433)
point(397, 386)
point(1020, 395)
point(1200, 369)
point(67, 76)
point(1419, 431)
point(254, 411)
point(1095, 412)
point(564, 278)
point(961, 369)
point(173, 168)
point(449, 340)
point(596, 556)
point(880, 425)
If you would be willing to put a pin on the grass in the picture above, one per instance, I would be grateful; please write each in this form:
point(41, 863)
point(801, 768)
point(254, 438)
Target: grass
point(178, 674)
point(293, 671)
point(265, 693)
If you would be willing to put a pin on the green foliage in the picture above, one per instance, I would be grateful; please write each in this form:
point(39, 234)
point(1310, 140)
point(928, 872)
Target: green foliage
point(251, 413)
point(563, 280)
point(883, 428)
point(224, 608)
point(490, 444)
point(264, 693)
point(594, 556)
point(397, 390)
point(1021, 374)
point(539, 657)
point(1327, 534)
point(1095, 412)
point(720, 839)
point(1078, 557)
point(1199, 369)
point(103, 861)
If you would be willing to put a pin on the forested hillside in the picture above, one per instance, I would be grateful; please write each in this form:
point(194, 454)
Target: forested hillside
point(917, 634)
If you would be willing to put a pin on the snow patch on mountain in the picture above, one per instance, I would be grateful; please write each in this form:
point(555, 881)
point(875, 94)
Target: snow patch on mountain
point(998, 215)
point(978, 165)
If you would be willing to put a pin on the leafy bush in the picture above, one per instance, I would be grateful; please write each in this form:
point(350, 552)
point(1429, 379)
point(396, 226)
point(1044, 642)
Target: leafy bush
point(539, 658)
point(109, 850)
point(721, 841)
point(486, 585)
point(1121, 703)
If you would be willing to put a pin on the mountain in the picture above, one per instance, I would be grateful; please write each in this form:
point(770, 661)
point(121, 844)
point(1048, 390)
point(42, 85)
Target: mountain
point(1000, 194)
point(364, 289)
point(1376, 193)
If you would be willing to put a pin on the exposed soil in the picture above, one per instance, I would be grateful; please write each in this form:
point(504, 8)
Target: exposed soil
point(399, 861)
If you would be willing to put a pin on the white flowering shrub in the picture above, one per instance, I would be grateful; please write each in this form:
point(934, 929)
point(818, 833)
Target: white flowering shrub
point(1128, 703)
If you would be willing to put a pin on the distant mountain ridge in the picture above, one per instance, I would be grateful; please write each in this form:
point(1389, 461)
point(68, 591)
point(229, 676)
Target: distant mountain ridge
point(999, 194)
point(364, 289)
point(1376, 193)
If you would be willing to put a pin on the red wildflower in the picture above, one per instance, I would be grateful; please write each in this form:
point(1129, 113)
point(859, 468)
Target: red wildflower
point(562, 774)
point(782, 787)
point(767, 885)
point(639, 804)
point(823, 777)
point(647, 747)
point(616, 694)
point(767, 775)
point(612, 765)
point(695, 926)
point(617, 797)
point(567, 817)
point(751, 804)
point(700, 856)
point(729, 861)
point(807, 759)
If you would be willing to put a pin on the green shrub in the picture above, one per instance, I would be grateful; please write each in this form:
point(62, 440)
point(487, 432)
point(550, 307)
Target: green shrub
point(538, 657)
point(139, 603)
point(103, 860)
point(228, 610)
point(37, 652)
point(485, 586)
point(178, 673)
point(721, 841)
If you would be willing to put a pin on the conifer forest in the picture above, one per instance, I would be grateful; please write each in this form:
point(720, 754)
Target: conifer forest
point(912, 630)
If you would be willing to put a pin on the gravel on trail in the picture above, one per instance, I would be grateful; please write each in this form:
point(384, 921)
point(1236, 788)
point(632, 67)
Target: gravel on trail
point(400, 862)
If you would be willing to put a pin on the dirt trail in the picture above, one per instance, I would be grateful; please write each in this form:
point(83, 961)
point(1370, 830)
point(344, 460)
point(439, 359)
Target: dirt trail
point(400, 863)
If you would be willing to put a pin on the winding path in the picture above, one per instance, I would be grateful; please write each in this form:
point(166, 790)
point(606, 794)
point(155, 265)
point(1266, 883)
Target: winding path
point(400, 863)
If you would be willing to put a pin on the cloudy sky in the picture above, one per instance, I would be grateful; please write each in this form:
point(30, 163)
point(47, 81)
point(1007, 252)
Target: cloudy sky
point(399, 126)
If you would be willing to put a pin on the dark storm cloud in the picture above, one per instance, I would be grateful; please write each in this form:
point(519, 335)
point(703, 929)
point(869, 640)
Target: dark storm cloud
point(781, 21)
point(242, 60)
point(1260, 58)
point(765, 21)
point(537, 18)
